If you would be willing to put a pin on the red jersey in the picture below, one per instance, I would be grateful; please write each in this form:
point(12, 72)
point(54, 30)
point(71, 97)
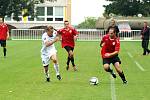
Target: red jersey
point(110, 45)
point(68, 36)
point(3, 31)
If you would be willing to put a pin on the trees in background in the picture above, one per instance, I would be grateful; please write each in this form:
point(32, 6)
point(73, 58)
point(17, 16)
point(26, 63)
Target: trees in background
point(88, 23)
point(128, 7)
point(15, 7)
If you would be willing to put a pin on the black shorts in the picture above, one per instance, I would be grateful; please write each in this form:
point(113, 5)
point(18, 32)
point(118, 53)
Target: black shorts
point(3, 43)
point(68, 48)
point(112, 60)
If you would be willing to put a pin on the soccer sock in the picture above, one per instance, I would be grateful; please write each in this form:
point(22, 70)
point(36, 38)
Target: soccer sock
point(72, 61)
point(47, 73)
point(122, 76)
point(68, 61)
point(109, 70)
point(56, 67)
point(4, 50)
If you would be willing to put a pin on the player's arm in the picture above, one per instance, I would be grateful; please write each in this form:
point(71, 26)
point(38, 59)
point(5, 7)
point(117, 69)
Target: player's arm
point(75, 33)
point(111, 54)
point(102, 43)
point(7, 33)
point(49, 43)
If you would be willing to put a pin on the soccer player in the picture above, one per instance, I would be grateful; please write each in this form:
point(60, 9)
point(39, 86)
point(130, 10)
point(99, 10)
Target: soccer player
point(145, 33)
point(4, 35)
point(113, 24)
point(69, 35)
point(110, 49)
point(48, 52)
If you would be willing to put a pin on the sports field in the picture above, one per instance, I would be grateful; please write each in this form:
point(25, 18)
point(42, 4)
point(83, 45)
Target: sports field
point(22, 78)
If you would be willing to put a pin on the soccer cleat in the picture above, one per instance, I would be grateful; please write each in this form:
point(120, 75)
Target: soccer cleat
point(59, 77)
point(113, 74)
point(125, 82)
point(48, 79)
point(67, 68)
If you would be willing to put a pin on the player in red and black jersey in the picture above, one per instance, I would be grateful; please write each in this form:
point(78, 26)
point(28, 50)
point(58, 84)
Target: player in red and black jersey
point(110, 49)
point(69, 35)
point(4, 35)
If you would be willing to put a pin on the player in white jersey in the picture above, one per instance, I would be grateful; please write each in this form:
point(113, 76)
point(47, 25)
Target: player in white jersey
point(49, 52)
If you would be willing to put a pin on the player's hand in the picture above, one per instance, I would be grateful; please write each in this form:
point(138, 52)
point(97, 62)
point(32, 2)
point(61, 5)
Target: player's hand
point(107, 55)
point(102, 44)
point(141, 36)
point(56, 39)
point(7, 37)
point(75, 37)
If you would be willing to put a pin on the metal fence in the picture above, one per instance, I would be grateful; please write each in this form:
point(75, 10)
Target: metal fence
point(84, 34)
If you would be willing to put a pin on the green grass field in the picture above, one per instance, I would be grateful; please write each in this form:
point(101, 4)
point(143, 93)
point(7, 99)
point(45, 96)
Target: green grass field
point(22, 78)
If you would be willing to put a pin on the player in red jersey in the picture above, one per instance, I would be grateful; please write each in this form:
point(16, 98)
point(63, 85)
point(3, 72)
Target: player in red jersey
point(110, 49)
point(4, 35)
point(69, 35)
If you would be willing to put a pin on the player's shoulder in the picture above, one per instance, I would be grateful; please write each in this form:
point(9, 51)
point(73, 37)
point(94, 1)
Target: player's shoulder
point(117, 39)
point(106, 36)
point(44, 35)
point(4, 24)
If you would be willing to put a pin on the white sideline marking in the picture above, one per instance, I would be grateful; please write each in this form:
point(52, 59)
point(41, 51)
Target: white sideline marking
point(140, 67)
point(137, 64)
point(113, 92)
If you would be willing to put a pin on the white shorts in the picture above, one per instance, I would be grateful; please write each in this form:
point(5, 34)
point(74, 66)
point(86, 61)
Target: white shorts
point(46, 58)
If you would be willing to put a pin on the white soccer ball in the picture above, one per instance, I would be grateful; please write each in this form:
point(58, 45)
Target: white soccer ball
point(93, 80)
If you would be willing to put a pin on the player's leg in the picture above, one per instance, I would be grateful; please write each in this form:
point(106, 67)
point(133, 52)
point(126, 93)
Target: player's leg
point(68, 58)
point(71, 55)
point(3, 44)
point(144, 47)
point(106, 66)
point(56, 66)
point(116, 62)
point(45, 61)
point(46, 71)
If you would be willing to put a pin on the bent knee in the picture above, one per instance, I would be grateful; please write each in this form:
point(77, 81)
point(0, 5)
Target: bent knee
point(106, 67)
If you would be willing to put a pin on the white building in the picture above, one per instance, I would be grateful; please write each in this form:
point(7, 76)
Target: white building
point(51, 12)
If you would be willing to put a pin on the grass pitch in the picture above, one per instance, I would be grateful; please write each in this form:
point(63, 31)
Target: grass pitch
point(22, 78)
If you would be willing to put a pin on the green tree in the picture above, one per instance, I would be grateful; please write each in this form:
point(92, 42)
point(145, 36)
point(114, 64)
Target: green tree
point(128, 7)
point(88, 23)
point(15, 7)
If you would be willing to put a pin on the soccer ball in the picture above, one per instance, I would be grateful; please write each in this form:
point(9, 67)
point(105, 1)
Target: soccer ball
point(93, 80)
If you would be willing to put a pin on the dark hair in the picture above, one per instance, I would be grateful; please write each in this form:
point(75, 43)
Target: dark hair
point(48, 28)
point(111, 27)
point(66, 21)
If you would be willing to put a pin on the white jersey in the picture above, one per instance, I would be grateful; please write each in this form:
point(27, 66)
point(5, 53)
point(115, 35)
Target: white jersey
point(48, 51)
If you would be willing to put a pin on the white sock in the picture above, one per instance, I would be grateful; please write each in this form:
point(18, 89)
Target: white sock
point(56, 67)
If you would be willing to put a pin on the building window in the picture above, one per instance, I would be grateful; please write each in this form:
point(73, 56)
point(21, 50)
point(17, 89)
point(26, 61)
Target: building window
point(58, 11)
point(49, 19)
point(58, 19)
point(40, 19)
point(49, 11)
point(7, 18)
point(40, 11)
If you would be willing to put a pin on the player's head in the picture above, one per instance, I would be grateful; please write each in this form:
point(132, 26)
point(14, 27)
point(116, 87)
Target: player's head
point(66, 23)
point(1, 20)
point(145, 24)
point(112, 32)
point(113, 22)
point(49, 30)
